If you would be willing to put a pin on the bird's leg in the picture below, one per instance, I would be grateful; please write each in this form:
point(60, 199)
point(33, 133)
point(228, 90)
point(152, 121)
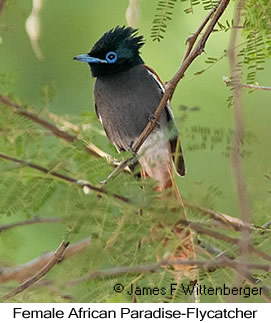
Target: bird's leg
point(152, 119)
point(119, 168)
point(131, 146)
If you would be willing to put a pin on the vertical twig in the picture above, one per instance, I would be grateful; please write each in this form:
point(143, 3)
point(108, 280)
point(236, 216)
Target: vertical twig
point(132, 13)
point(237, 140)
point(33, 27)
point(239, 128)
point(2, 4)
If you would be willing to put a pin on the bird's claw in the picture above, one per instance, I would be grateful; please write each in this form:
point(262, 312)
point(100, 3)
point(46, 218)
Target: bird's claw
point(152, 119)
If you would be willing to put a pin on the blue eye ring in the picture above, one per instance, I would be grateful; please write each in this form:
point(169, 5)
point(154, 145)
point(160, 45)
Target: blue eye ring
point(111, 57)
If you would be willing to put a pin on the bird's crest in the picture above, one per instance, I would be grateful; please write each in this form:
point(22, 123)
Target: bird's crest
point(118, 37)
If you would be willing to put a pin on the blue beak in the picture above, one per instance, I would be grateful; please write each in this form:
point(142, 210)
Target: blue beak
point(85, 58)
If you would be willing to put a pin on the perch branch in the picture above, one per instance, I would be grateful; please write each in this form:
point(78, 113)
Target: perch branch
point(54, 259)
point(23, 272)
point(172, 84)
point(35, 220)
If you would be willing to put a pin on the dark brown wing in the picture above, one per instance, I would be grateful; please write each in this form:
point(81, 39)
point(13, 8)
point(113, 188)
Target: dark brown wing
point(177, 155)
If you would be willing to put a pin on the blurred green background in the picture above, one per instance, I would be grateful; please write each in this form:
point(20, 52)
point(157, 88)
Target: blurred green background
point(69, 28)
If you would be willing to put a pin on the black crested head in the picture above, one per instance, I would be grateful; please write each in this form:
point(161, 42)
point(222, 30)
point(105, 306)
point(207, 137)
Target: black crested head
point(116, 51)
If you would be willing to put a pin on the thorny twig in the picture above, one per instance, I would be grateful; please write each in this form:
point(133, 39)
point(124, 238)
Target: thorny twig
point(228, 82)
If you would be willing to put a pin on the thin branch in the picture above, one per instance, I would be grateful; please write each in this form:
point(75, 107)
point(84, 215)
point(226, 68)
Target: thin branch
point(90, 147)
point(56, 258)
point(64, 177)
point(35, 220)
point(227, 220)
point(267, 224)
point(157, 267)
point(196, 227)
point(265, 291)
point(256, 87)
point(200, 228)
point(6, 101)
point(224, 219)
point(248, 276)
point(228, 82)
point(192, 39)
point(24, 272)
point(205, 264)
point(172, 84)
point(67, 125)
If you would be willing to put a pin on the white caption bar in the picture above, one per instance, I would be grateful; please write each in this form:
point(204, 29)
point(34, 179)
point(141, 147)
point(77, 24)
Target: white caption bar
point(92, 312)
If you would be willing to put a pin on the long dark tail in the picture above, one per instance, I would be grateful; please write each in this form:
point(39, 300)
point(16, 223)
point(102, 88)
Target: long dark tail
point(185, 250)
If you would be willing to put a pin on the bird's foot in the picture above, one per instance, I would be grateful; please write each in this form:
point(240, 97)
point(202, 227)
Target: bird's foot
point(152, 119)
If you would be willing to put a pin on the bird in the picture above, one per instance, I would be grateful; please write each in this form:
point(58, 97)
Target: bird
point(126, 94)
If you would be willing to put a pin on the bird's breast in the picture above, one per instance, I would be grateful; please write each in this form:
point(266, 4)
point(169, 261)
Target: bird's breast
point(125, 102)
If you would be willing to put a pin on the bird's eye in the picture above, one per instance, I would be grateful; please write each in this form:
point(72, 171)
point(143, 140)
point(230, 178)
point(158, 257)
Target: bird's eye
point(111, 57)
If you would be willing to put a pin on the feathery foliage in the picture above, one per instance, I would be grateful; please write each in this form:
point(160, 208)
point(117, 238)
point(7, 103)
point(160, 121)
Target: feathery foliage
point(164, 12)
point(115, 227)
